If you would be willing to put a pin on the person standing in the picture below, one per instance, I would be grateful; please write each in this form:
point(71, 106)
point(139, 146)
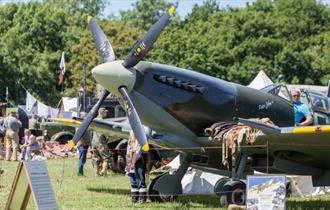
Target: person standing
point(101, 151)
point(12, 125)
point(135, 169)
point(33, 122)
point(82, 147)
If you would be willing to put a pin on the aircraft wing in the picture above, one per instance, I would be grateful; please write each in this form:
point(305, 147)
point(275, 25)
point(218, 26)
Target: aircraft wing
point(292, 150)
point(278, 131)
point(112, 127)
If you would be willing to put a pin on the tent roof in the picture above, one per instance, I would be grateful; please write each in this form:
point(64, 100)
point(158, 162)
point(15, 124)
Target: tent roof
point(260, 81)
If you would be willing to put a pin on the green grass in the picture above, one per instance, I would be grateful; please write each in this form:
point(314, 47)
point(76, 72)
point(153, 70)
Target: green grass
point(91, 192)
point(112, 192)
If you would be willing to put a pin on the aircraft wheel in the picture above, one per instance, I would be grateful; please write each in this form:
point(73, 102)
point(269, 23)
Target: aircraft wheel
point(118, 157)
point(219, 185)
point(233, 192)
point(121, 164)
point(156, 196)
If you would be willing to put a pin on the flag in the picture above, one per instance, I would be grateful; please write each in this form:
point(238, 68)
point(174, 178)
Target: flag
point(62, 70)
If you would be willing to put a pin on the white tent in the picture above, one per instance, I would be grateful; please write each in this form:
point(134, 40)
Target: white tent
point(260, 81)
point(69, 104)
point(31, 103)
point(39, 108)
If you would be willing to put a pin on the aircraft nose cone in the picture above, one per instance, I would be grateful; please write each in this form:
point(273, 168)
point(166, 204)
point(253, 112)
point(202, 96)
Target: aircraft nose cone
point(113, 75)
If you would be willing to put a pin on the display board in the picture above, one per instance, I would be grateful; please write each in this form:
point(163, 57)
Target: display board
point(31, 178)
point(265, 192)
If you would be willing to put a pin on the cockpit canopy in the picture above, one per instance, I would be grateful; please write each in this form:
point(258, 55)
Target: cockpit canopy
point(316, 101)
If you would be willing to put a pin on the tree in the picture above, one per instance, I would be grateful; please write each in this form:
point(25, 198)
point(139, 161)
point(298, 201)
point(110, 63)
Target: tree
point(145, 13)
point(32, 39)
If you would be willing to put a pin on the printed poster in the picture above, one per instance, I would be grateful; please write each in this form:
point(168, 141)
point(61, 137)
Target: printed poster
point(265, 193)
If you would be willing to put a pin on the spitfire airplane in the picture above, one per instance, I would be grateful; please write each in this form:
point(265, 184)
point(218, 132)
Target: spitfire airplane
point(178, 104)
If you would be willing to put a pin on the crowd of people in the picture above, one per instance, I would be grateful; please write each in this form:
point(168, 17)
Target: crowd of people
point(10, 141)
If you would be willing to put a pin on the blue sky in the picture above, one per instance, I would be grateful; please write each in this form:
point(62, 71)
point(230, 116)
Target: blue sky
point(184, 7)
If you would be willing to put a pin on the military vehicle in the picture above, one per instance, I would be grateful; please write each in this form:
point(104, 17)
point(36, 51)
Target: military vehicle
point(55, 131)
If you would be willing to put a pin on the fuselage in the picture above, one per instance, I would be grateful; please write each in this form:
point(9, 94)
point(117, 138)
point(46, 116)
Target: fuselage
point(179, 104)
point(197, 100)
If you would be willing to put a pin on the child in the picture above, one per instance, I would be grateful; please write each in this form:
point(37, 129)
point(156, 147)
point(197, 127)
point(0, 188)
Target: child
point(135, 169)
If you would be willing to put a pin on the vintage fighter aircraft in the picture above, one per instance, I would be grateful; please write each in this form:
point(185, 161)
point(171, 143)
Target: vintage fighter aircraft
point(178, 104)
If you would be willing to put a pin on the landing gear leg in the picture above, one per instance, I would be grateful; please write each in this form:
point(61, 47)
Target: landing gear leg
point(167, 186)
point(233, 191)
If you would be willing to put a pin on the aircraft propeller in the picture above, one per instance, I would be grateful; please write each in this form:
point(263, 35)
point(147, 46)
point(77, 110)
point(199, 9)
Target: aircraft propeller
point(139, 50)
point(89, 118)
point(134, 119)
point(102, 43)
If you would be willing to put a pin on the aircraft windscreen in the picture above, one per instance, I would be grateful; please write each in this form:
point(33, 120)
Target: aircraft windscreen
point(320, 102)
point(278, 90)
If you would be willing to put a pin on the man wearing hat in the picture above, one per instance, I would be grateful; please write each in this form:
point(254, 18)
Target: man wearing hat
point(12, 125)
point(101, 151)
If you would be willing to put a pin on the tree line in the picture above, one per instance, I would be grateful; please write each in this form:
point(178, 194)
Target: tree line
point(289, 37)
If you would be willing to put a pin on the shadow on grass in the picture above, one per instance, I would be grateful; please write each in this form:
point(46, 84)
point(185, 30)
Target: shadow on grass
point(185, 200)
point(111, 191)
point(212, 201)
point(208, 201)
point(308, 204)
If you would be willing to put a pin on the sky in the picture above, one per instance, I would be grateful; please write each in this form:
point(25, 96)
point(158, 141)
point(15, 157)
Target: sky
point(184, 7)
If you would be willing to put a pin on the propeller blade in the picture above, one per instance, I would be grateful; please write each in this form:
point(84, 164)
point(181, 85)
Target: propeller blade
point(142, 47)
point(102, 43)
point(134, 120)
point(88, 119)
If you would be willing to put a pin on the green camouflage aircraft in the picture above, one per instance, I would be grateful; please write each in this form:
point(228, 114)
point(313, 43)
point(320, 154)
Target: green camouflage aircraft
point(178, 104)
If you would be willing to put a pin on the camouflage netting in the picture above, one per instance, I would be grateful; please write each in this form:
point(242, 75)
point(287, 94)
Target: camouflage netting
point(231, 134)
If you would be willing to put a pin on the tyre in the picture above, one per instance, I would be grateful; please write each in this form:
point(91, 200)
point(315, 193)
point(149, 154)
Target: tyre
point(121, 164)
point(64, 139)
point(155, 196)
point(233, 192)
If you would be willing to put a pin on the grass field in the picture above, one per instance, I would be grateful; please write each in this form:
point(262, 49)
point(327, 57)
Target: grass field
point(112, 192)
